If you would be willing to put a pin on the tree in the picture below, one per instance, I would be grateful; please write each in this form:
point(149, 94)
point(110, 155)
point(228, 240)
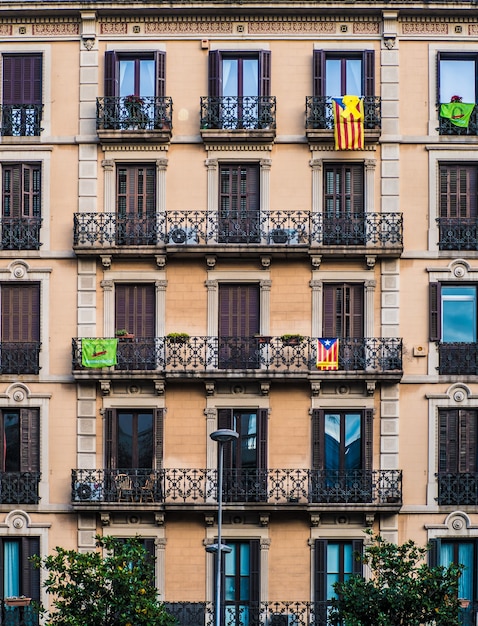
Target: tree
point(116, 589)
point(402, 590)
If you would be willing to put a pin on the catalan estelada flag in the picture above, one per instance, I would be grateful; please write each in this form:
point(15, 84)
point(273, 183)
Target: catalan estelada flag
point(327, 354)
point(348, 123)
point(98, 352)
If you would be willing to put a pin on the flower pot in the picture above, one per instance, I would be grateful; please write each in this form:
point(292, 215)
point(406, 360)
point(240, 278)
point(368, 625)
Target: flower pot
point(178, 339)
point(17, 601)
point(263, 339)
point(464, 603)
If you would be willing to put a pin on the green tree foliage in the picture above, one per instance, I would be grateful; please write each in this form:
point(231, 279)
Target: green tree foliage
point(402, 590)
point(111, 589)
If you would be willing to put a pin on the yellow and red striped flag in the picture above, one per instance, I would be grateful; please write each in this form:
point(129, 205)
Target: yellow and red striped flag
point(348, 123)
point(327, 354)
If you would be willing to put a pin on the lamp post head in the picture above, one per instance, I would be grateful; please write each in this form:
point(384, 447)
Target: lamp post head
point(224, 435)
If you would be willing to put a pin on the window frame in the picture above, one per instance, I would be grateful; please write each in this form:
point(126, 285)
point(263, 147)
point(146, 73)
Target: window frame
point(29, 576)
point(436, 307)
point(215, 78)
point(455, 56)
point(111, 70)
point(319, 70)
point(446, 172)
point(320, 569)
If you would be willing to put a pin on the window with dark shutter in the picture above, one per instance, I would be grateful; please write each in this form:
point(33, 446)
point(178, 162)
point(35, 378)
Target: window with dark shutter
point(239, 208)
point(242, 579)
point(22, 79)
point(335, 561)
point(135, 76)
point(458, 440)
point(135, 308)
point(20, 309)
point(343, 221)
point(134, 439)
point(18, 576)
point(343, 311)
point(21, 190)
point(20, 432)
point(247, 67)
point(458, 191)
point(238, 324)
point(335, 73)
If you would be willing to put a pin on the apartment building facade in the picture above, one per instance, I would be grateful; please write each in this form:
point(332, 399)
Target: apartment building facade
point(174, 205)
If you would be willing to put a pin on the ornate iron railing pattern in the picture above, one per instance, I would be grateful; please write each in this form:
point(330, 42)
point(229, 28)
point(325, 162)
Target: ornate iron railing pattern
point(319, 113)
point(458, 358)
point(19, 615)
point(279, 613)
point(457, 488)
point(20, 357)
point(446, 127)
point(200, 354)
point(271, 228)
point(274, 486)
point(20, 233)
point(457, 233)
point(149, 113)
point(238, 112)
point(21, 120)
point(19, 487)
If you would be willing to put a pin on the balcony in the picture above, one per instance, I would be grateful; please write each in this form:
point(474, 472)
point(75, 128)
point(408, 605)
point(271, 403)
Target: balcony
point(458, 358)
point(19, 357)
point(20, 233)
point(285, 487)
point(298, 231)
point(457, 233)
point(19, 487)
point(253, 356)
point(24, 615)
point(457, 488)
point(21, 120)
point(148, 119)
point(236, 118)
point(446, 127)
point(319, 118)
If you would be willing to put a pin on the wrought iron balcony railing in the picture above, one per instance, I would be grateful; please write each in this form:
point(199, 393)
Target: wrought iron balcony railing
point(273, 486)
point(20, 357)
point(26, 615)
point(457, 488)
point(21, 120)
point(20, 233)
point(19, 487)
point(319, 113)
point(238, 112)
point(146, 113)
point(457, 233)
point(373, 355)
point(446, 127)
point(267, 228)
point(458, 358)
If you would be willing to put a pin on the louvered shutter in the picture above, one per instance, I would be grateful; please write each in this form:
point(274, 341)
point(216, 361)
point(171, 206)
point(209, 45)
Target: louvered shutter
point(356, 310)
point(252, 188)
point(135, 309)
point(30, 440)
point(159, 437)
point(111, 459)
point(22, 79)
point(356, 190)
point(329, 311)
point(434, 552)
point(238, 310)
point(262, 439)
point(160, 68)
point(320, 570)
point(224, 420)
point(368, 439)
point(20, 312)
point(319, 73)
point(458, 191)
point(438, 58)
point(264, 73)
point(215, 74)
point(111, 74)
point(30, 575)
point(449, 444)
point(369, 73)
point(255, 573)
point(343, 312)
point(317, 439)
point(21, 190)
point(434, 290)
point(357, 548)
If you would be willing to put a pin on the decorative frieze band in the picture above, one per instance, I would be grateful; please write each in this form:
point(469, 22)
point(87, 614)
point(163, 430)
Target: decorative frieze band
point(203, 27)
point(56, 29)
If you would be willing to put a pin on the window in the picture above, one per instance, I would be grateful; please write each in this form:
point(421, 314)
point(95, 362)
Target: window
point(22, 94)
point(343, 219)
point(343, 311)
point(135, 311)
point(238, 324)
point(136, 204)
point(18, 576)
point(21, 206)
point(241, 583)
point(334, 562)
point(342, 455)
point(134, 439)
point(341, 73)
point(239, 210)
point(20, 328)
point(245, 460)
point(20, 456)
point(239, 90)
point(457, 75)
point(458, 207)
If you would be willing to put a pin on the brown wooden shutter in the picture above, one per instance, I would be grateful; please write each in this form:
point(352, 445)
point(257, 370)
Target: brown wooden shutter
point(438, 58)
point(252, 187)
point(30, 575)
point(22, 79)
point(264, 73)
point(343, 313)
point(467, 452)
point(434, 552)
point(356, 188)
point(238, 310)
point(135, 309)
point(255, 571)
point(458, 191)
point(320, 570)
point(30, 440)
point(369, 73)
point(357, 311)
point(159, 437)
point(136, 190)
point(317, 439)
point(434, 291)
point(262, 423)
point(368, 440)
point(319, 73)
point(357, 548)
point(215, 74)
point(111, 74)
point(225, 420)
point(160, 68)
point(110, 439)
point(20, 309)
point(21, 190)
point(457, 441)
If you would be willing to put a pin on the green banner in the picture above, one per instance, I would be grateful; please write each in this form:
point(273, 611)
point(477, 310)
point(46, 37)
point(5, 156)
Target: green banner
point(98, 352)
point(458, 113)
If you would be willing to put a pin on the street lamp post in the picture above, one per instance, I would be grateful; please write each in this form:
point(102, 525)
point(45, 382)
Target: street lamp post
point(221, 436)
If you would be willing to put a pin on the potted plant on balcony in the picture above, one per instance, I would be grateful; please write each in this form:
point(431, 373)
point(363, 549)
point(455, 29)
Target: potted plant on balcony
point(136, 117)
point(263, 339)
point(122, 333)
point(292, 339)
point(177, 337)
point(17, 601)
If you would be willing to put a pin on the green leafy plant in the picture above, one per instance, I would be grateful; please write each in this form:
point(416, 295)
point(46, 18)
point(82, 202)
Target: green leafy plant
point(114, 589)
point(177, 337)
point(121, 332)
point(403, 590)
point(292, 338)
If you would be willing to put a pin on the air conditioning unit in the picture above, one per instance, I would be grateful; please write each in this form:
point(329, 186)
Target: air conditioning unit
point(87, 492)
point(284, 235)
point(284, 619)
point(183, 236)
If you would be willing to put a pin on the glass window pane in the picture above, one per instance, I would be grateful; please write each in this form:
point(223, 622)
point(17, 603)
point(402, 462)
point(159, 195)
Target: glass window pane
point(353, 446)
point(145, 440)
point(11, 425)
point(354, 77)
point(229, 77)
point(11, 573)
point(230, 560)
point(457, 77)
point(244, 559)
point(333, 78)
point(125, 440)
point(332, 441)
point(126, 77)
point(250, 78)
point(459, 314)
point(146, 78)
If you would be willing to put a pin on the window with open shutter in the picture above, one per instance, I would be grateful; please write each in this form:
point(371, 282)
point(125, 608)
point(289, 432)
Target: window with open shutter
point(20, 432)
point(241, 591)
point(343, 73)
point(139, 75)
point(334, 562)
point(134, 439)
point(21, 94)
point(18, 575)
